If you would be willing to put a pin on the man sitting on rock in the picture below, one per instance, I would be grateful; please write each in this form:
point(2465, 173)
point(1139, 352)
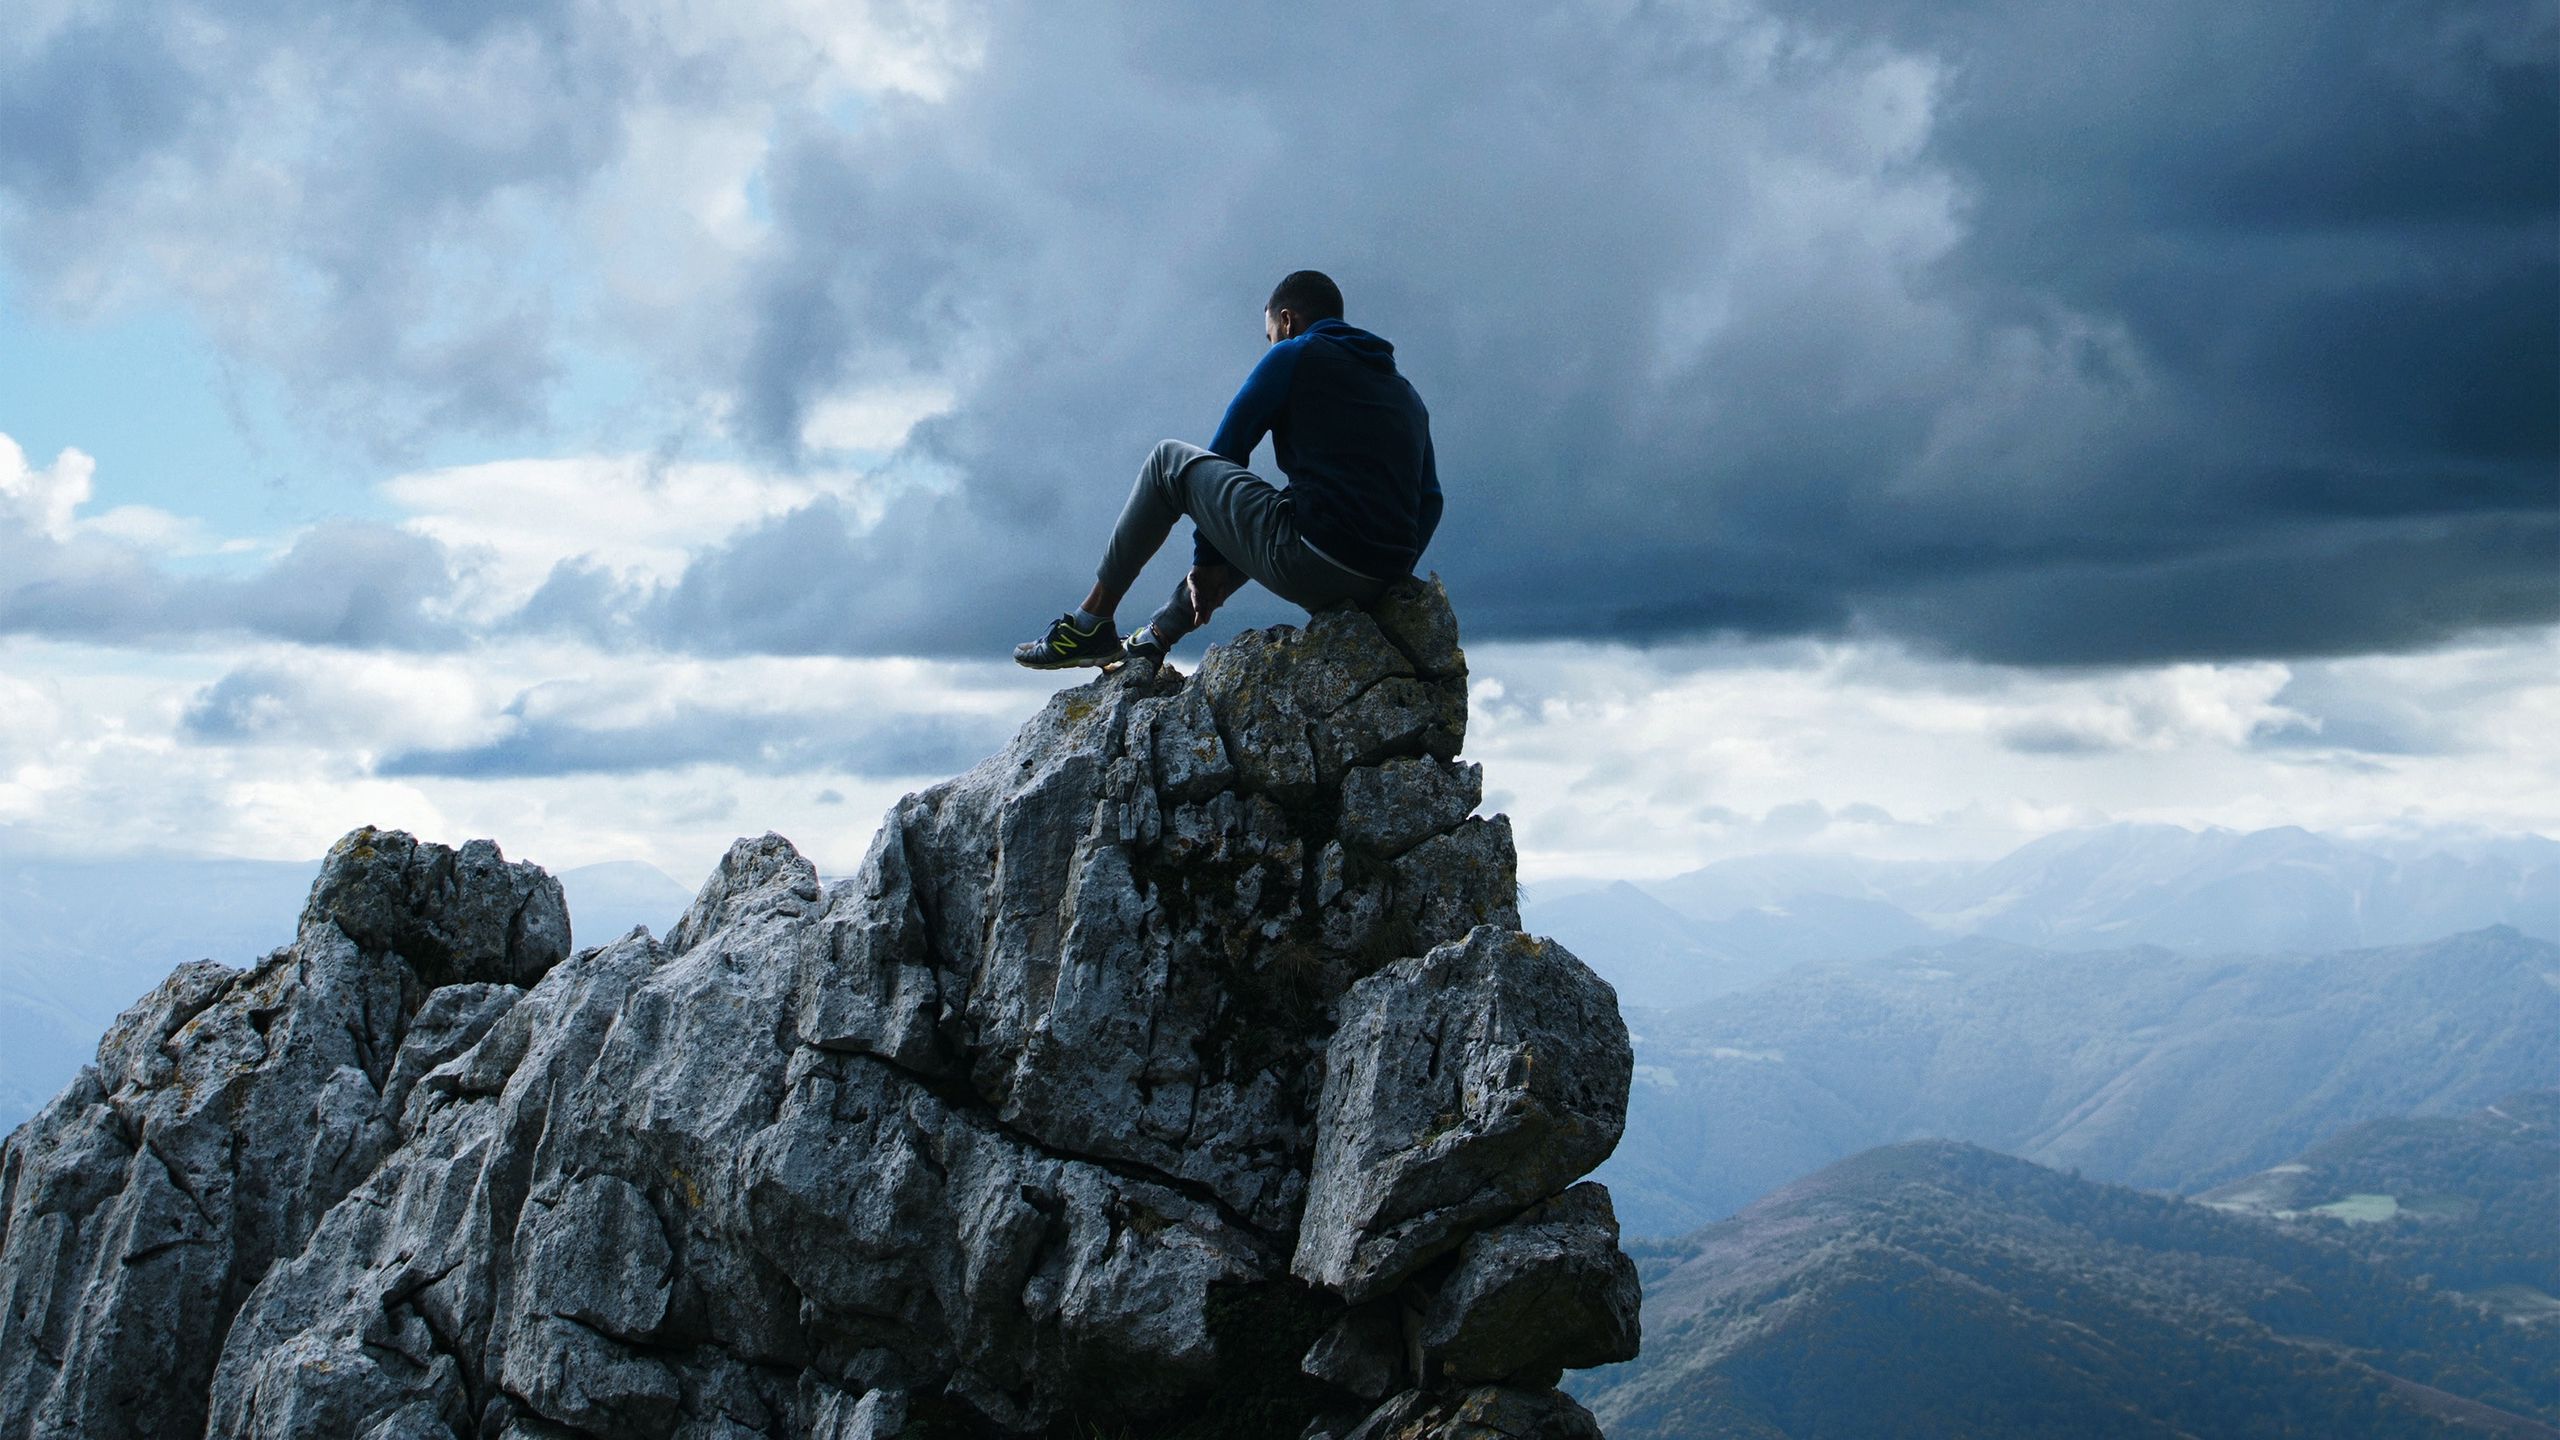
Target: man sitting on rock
point(1360, 505)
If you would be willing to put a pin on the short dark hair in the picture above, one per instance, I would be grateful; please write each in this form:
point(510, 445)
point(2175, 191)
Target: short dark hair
point(1311, 293)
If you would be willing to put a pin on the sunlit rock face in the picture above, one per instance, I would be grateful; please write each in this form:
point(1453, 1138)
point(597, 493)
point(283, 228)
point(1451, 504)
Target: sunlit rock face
point(1180, 1070)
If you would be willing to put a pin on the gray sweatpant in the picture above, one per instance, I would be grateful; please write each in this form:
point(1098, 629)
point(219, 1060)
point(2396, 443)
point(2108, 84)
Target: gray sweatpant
point(1246, 517)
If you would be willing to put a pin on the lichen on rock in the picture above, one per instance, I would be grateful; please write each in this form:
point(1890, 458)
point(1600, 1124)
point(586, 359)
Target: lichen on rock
point(1179, 1070)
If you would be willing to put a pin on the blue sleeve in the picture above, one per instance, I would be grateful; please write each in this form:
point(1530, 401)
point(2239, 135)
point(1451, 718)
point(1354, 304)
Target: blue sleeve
point(1250, 416)
point(1257, 405)
point(1430, 517)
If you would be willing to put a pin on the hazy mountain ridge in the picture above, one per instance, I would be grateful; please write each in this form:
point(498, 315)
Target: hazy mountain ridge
point(80, 939)
point(2282, 888)
point(2144, 1067)
point(1739, 922)
point(1935, 1288)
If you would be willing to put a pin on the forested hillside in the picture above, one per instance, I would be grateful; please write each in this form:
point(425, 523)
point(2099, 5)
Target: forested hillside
point(2469, 1203)
point(1937, 1289)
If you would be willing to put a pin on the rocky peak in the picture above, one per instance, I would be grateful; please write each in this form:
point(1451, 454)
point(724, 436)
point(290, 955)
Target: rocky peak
point(228, 1112)
point(455, 916)
point(1180, 1070)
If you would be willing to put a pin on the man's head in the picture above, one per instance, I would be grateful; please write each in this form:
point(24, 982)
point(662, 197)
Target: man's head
point(1302, 298)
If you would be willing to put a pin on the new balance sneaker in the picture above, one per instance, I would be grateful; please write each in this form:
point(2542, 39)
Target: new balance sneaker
point(1066, 646)
point(1143, 644)
point(1141, 656)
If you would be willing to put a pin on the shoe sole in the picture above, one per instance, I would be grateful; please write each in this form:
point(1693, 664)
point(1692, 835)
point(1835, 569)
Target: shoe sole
point(1080, 662)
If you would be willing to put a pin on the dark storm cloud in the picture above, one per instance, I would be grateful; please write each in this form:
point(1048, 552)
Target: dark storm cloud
point(2348, 211)
point(2042, 334)
point(807, 583)
point(343, 583)
point(2183, 331)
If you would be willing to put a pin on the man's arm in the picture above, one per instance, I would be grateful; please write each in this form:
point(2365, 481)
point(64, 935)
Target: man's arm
point(1429, 519)
point(1250, 416)
point(1258, 404)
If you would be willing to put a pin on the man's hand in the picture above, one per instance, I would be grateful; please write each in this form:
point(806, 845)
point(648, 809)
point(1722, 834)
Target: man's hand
point(1207, 587)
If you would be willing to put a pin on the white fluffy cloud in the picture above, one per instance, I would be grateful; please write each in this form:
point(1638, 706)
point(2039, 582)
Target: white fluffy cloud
point(1623, 762)
point(509, 523)
point(43, 502)
point(1612, 762)
point(562, 752)
point(44, 505)
point(339, 582)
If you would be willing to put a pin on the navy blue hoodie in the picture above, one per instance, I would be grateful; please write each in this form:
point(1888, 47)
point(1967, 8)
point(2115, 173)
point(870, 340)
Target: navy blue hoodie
point(1354, 441)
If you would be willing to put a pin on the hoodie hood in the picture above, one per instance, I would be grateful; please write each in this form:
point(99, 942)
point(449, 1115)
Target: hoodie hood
point(1369, 349)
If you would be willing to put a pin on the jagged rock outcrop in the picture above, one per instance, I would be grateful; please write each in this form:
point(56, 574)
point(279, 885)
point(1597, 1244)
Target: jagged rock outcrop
point(228, 1112)
point(1458, 1090)
point(1179, 1070)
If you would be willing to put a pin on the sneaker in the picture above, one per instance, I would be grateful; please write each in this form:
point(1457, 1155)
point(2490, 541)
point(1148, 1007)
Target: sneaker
point(1065, 646)
point(1143, 644)
point(1141, 655)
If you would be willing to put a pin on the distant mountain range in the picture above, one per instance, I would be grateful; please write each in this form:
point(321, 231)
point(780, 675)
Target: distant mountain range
point(606, 901)
point(1739, 922)
point(1933, 1288)
point(2144, 1066)
point(80, 940)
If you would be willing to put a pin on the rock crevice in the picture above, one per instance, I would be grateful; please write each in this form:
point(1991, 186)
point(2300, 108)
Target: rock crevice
point(1179, 1070)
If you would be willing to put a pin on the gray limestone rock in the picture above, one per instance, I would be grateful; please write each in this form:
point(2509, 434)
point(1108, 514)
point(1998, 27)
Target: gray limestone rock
point(1461, 1087)
point(1486, 1413)
point(1459, 879)
point(1290, 702)
point(761, 876)
point(1415, 617)
point(877, 1415)
point(1397, 716)
point(1396, 806)
point(454, 915)
point(1550, 1291)
point(1363, 1353)
point(229, 1111)
point(1011, 1132)
point(1181, 742)
point(874, 989)
point(596, 1254)
point(449, 1024)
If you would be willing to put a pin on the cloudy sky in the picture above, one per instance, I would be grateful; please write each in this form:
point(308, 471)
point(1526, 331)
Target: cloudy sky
point(1869, 425)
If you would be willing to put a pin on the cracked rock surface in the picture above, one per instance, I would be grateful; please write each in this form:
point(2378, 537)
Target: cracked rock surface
point(1180, 1070)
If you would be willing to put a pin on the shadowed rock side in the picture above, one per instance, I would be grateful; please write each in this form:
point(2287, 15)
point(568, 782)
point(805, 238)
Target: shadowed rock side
point(1180, 1070)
